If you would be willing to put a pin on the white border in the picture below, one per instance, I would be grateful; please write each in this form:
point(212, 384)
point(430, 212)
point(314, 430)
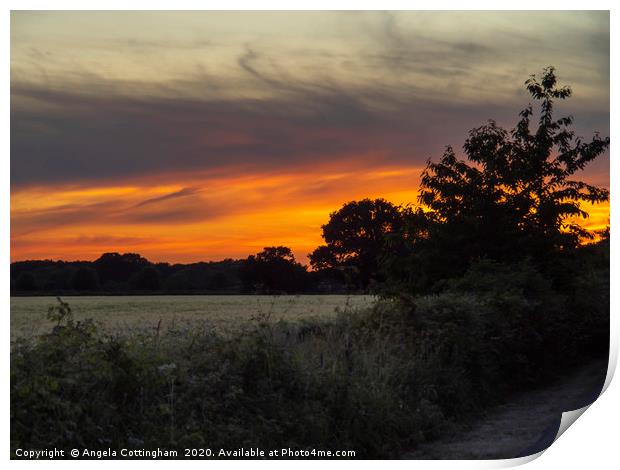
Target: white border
point(308, 5)
point(591, 443)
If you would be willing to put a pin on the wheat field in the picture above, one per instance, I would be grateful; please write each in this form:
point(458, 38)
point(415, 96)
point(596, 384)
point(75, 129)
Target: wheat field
point(223, 313)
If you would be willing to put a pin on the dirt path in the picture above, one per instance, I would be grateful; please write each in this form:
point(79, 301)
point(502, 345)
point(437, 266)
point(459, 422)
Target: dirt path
point(525, 425)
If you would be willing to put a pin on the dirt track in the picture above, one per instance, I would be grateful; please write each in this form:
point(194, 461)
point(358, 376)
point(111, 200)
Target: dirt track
point(525, 425)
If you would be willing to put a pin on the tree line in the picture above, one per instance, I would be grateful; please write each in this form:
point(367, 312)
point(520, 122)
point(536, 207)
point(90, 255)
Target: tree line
point(512, 198)
point(272, 271)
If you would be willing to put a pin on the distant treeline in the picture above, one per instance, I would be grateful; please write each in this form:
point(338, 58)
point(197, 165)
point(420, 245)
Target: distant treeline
point(273, 271)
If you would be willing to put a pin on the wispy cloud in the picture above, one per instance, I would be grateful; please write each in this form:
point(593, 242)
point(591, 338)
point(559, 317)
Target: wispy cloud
point(181, 193)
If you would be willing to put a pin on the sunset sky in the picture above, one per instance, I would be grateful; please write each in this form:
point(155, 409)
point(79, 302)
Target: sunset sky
point(187, 136)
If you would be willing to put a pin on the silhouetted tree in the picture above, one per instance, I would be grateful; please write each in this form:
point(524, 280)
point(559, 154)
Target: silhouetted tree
point(407, 258)
point(178, 281)
point(274, 270)
point(323, 258)
point(85, 278)
point(119, 268)
point(356, 236)
point(519, 183)
point(218, 281)
point(26, 282)
point(57, 277)
point(148, 278)
point(514, 196)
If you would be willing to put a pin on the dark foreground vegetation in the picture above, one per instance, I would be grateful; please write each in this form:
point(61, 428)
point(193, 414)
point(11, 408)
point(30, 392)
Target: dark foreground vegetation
point(488, 292)
point(377, 382)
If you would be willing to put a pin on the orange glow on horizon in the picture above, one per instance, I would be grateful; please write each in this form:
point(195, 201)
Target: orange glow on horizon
point(203, 219)
point(194, 219)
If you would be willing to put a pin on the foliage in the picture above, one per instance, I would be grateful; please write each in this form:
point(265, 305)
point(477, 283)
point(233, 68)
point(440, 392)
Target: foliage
point(519, 183)
point(129, 273)
point(148, 279)
point(26, 282)
point(60, 313)
point(85, 279)
point(355, 236)
point(114, 273)
point(274, 270)
point(119, 268)
point(513, 197)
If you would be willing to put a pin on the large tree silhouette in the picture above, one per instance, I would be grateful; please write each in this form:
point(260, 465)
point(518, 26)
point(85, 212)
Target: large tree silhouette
point(117, 268)
point(516, 193)
point(355, 236)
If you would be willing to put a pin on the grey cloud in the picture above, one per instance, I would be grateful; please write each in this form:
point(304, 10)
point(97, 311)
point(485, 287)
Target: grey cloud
point(102, 130)
point(82, 138)
point(146, 44)
point(181, 193)
point(81, 240)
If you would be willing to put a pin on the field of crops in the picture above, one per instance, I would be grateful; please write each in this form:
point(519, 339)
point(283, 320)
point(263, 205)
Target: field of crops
point(224, 313)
